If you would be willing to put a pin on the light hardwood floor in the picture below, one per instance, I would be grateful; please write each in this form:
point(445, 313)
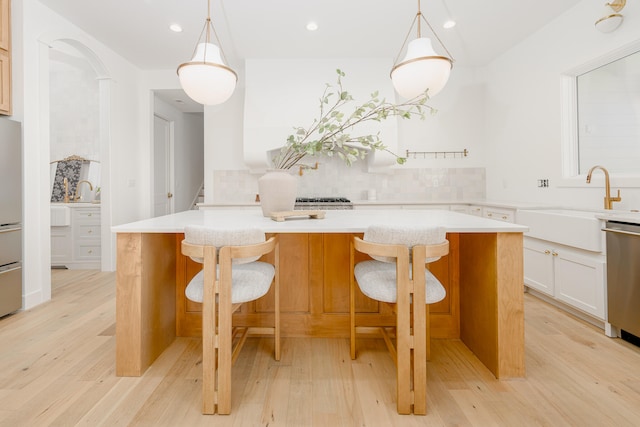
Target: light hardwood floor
point(57, 368)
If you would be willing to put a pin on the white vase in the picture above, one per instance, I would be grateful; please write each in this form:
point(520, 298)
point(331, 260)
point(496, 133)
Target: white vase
point(277, 189)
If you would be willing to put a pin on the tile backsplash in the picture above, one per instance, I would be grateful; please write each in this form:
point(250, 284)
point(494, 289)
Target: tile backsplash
point(333, 178)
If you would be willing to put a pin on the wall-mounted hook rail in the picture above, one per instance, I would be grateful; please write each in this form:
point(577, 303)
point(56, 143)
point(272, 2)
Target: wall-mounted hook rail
point(307, 167)
point(437, 154)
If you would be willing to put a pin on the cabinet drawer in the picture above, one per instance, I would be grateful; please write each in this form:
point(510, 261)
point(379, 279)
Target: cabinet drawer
point(86, 251)
point(87, 215)
point(499, 214)
point(460, 208)
point(87, 231)
point(475, 210)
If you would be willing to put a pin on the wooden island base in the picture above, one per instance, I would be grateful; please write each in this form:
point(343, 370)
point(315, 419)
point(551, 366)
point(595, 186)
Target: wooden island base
point(482, 275)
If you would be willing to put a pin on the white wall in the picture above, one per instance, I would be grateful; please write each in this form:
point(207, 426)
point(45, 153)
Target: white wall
point(523, 109)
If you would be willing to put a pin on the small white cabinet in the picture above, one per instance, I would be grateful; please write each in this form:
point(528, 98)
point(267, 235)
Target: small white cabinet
point(78, 245)
point(574, 276)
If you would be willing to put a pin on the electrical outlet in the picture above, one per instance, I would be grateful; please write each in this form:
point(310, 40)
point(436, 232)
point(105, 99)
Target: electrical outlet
point(543, 183)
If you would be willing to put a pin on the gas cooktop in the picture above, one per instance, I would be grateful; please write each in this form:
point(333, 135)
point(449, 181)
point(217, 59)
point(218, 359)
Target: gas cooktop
point(323, 203)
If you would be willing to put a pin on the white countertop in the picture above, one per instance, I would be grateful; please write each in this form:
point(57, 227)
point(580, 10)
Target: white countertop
point(622, 216)
point(75, 204)
point(399, 203)
point(335, 221)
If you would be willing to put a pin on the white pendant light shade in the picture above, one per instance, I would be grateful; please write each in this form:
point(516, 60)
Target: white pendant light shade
point(421, 69)
point(206, 79)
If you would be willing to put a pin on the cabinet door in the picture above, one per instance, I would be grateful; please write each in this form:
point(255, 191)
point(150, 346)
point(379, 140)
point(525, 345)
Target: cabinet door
point(538, 266)
point(5, 83)
point(5, 24)
point(60, 245)
point(579, 281)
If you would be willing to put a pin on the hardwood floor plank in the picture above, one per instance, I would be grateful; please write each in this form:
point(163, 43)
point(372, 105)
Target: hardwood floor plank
point(57, 368)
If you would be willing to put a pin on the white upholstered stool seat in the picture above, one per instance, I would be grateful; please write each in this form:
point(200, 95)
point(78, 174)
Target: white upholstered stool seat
point(377, 280)
point(249, 282)
point(232, 275)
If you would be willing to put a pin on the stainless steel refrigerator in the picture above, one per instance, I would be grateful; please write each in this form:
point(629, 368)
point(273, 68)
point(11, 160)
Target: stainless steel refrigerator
point(10, 216)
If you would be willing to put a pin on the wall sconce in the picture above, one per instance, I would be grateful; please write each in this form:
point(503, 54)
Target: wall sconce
point(611, 19)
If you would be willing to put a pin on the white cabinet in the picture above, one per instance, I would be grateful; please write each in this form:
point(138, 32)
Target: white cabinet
point(85, 223)
point(77, 246)
point(574, 276)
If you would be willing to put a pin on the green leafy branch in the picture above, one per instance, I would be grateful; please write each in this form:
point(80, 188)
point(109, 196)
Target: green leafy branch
point(333, 133)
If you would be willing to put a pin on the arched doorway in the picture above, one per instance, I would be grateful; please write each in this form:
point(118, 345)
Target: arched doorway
point(50, 50)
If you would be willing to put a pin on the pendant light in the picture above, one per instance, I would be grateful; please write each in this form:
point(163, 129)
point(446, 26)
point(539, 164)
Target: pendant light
point(206, 78)
point(422, 68)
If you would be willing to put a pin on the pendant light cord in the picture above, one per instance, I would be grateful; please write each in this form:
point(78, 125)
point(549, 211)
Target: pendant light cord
point(206, 30)
point(417, 18)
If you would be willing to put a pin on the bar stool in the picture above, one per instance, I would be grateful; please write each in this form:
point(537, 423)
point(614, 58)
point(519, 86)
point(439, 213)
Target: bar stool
point(397, 275)
point(232, 276)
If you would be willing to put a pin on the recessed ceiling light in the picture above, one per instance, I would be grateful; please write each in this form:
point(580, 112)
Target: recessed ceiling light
point(176, 28)
point(312, 26)
point(449, 24)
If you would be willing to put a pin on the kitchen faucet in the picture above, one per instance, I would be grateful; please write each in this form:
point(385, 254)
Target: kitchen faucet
point(77, 196)
point(65, 182)
point(608, 200)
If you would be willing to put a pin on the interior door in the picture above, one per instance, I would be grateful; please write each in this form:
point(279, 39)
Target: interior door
point(162, 176)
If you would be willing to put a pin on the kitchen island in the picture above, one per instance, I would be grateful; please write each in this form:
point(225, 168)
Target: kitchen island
point(483, 275)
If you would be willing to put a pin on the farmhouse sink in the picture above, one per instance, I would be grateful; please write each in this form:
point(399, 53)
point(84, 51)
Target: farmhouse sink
point(576, 228)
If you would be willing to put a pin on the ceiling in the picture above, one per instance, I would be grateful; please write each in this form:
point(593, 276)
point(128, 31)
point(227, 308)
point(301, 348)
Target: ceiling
point(138, 29)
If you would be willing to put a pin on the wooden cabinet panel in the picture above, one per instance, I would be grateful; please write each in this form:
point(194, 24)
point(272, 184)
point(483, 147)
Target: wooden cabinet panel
point(336, 253)
point(294, 276)
point(5, 57)
point(5, 83)
point(5, 24)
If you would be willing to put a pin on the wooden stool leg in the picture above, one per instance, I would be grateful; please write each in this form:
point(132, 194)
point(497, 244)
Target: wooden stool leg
point(224, 349)
point(403, 343)
point(427, 335)
point(209, 350)
point(419, 358)
point(420, 332)
point(277, 302)
point(352, 304)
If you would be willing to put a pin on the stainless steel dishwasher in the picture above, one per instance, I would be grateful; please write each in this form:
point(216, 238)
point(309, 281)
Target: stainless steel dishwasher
point(623, 278)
